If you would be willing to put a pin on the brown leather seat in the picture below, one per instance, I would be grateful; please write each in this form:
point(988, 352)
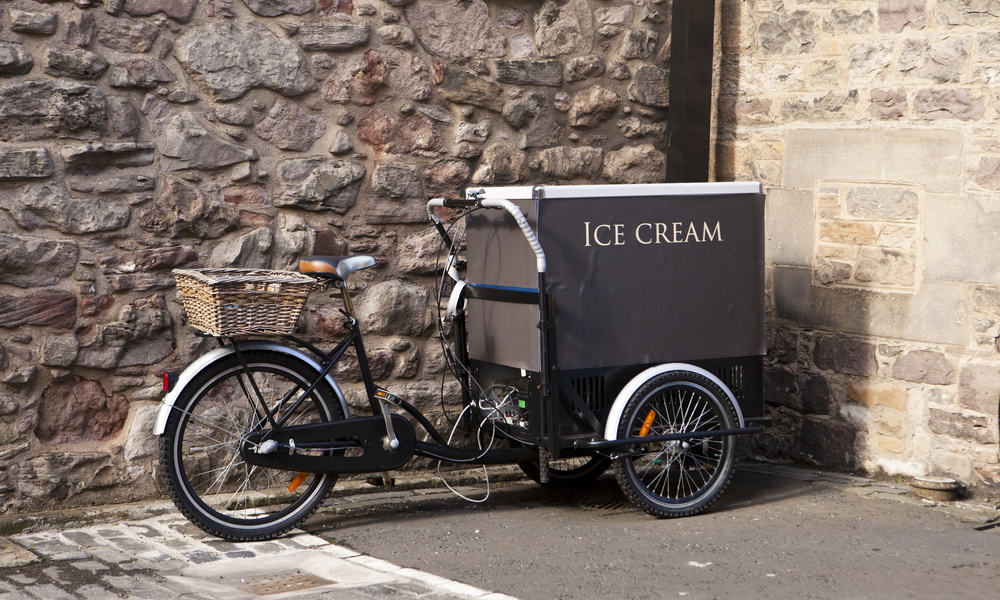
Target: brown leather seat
point(335, 267)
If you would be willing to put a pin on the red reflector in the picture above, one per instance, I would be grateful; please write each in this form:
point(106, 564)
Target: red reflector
point(169, 380)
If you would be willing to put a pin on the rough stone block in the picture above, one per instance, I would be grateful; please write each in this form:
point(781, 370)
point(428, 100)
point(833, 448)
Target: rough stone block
point(397, 180)
point(830, 106)
point(126, 35)
point(49, 307)
point(878, 394)
point(593, 106)
point(924, 366)
point(36, 23)
point(25, 163)
point(141, 73)
point(650, 86)
point(826, 441)
point(787, 33)
point(895, 15)
point(465, 87)
point(638, 43)
point(846, 21)
point(456, 30)
point(14, 59)
point(817, 397)
point(781, 388)
point(959, 425)
point(530, 72)
point(446, 177)
point(28, 261)
point(932, 158)
point(231, 58)
point(318, 184)
point(564, 28)
point(276, 8)
point(635, 164)
point(59, 350)
point(887, 103)
point(848, 232)
point(332, 36)
point(79, 410)
point(935, 313)
point(393, 307)
point(972, 13)
point(936, 104)
point(883, 203)
point(979, 388)
point(889, 444)
point(886, 268)
point(845, 355)
point(568, 162)
point(290, 127)
point(37, 109)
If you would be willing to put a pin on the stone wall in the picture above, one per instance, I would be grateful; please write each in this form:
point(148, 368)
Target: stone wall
point(873, 124)
point(141, 135)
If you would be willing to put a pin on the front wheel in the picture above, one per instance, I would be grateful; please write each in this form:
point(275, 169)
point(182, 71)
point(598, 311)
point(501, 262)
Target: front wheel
point(200, 459)
point(679, 477)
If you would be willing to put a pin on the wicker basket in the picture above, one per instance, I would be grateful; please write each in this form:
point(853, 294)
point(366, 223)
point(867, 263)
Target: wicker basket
point(243, 301)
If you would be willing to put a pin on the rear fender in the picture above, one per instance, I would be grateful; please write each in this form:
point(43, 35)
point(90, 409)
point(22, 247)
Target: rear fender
point(203, 361)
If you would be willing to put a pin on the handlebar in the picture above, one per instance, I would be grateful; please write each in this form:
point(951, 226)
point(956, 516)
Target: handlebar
point(458, 202)
point(503, 204)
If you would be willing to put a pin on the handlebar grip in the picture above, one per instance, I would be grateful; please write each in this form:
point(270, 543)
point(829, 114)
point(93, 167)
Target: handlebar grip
point(458, 202)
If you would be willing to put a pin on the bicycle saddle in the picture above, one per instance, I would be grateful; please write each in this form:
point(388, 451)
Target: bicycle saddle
point(335, 267)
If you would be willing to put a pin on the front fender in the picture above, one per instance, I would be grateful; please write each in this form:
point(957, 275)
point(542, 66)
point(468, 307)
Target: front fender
point(618, 407)
point(203, 361)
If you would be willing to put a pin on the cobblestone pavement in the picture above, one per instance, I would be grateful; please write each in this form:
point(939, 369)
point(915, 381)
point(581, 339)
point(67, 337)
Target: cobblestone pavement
point(165, 557)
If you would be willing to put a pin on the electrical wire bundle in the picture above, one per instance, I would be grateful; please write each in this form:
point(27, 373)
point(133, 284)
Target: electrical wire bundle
point(488, 404)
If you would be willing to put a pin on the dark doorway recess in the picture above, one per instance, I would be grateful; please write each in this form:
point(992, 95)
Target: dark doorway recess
point(689, 117)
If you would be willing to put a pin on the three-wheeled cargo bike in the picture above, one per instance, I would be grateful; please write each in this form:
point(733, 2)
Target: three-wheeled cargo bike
point(593, 326)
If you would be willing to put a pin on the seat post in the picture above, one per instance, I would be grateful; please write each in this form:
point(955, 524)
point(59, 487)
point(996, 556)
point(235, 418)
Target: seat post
point(345, 296)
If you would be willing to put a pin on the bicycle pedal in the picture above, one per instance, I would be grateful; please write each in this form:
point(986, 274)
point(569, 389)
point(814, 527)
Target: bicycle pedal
point(383, 394)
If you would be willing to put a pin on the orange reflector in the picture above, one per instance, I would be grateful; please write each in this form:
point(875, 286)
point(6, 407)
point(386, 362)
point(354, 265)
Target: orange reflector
point(647, 424)
point(294, 485)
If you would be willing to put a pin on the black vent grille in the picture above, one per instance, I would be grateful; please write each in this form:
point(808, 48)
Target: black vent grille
point(593, 391)
point(732, 376)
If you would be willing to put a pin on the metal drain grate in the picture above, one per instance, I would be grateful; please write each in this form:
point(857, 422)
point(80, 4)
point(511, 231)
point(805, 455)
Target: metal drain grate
point(280, 583)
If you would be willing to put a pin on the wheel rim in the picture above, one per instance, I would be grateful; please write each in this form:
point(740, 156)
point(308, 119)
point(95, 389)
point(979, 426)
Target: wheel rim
point(208, 437)
point(679, 472)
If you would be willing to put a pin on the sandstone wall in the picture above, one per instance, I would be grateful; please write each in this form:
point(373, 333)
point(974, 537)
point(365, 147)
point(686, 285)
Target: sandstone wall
point(141, 135)
point(874, 125)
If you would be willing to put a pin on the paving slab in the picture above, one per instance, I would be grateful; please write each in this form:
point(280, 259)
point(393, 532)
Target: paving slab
point(161, 558)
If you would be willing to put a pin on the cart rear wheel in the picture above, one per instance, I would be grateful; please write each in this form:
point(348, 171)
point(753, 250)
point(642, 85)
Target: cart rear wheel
point(200, 459)
point(569, 472)
point(682, 477)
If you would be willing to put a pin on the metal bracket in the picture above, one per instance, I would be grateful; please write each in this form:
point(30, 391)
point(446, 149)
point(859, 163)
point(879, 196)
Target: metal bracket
point(390, 442)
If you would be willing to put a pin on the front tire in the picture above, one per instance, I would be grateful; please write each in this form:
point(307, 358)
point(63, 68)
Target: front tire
point(199, 449)
point(684, 477)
